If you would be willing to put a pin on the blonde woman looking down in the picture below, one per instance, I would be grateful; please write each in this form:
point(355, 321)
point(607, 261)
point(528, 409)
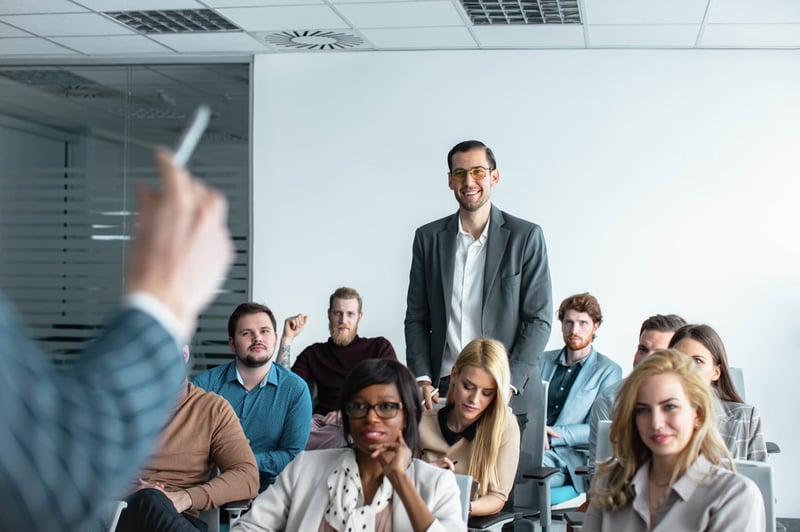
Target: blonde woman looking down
point(476, 433)
point(671, 470)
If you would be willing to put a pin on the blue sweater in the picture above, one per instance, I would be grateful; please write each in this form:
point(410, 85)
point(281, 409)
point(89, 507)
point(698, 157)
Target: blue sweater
point(275, 415)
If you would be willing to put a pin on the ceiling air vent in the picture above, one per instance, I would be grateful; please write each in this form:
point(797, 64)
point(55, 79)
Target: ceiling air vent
point(174, 21)
point(522, 12)
point(313, 40)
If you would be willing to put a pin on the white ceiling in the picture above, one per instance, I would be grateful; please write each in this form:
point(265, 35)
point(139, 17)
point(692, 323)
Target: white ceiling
point(75, 29)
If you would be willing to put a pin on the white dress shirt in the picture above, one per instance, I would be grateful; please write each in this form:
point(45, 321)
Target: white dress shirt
point(466, 301)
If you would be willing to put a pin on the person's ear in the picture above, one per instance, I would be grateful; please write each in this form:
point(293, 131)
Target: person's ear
point(231, 344)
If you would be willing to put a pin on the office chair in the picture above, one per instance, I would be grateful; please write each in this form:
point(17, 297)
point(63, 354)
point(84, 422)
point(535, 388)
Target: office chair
point(532, 486)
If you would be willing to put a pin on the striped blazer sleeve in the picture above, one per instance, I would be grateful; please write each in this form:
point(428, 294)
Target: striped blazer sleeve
point(71, 439)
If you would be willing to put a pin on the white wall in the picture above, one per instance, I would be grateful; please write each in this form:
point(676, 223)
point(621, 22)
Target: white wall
point(665, 181)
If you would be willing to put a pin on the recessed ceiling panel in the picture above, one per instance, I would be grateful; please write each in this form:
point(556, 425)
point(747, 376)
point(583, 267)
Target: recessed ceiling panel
point(522, 12)
point(174, 21)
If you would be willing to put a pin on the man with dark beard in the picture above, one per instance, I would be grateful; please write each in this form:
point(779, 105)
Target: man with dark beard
point(272, 403)
point(327, 364)
point(577, 375)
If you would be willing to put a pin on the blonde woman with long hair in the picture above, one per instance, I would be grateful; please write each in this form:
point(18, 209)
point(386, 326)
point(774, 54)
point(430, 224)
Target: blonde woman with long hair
point(476, 433)
point(671, 470)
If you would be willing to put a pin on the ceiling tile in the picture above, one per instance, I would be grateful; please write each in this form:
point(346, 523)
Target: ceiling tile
point(644, 11)
point(401, 14)
point(211, 42)
point(748, 12)
point(78, 24)
point(8, 7)
point(539, 36)
point(283, 18)
point(751, 36)
point(420, 38)
point(643, 35)
point(117, 44)
point(140, 5)
point(32, 46)
point(8, 31)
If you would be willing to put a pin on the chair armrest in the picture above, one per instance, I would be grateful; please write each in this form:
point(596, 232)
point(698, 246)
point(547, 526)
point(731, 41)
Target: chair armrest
point(773, 448)
point(574, 518)
point(541, 473)
point(582, 470)
point(487, 522)
point(237, 505)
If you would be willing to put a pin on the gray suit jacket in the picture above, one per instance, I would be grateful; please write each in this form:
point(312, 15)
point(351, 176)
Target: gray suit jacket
point(517, 297)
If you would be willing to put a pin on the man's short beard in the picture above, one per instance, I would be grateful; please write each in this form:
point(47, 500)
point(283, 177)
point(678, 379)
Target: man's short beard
point(343, 339)
point(251, 362)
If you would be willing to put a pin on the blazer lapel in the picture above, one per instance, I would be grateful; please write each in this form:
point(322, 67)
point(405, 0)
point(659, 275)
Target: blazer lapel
point(496, 249)
point(446, 247)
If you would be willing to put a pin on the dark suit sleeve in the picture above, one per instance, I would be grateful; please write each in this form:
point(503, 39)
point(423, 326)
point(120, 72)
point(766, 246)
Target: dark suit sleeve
point(418, 314)
point(72, 439)
point(536, 310)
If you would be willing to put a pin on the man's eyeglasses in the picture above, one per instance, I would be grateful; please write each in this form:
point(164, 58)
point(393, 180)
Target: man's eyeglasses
point(385, 410)
point(477, 173)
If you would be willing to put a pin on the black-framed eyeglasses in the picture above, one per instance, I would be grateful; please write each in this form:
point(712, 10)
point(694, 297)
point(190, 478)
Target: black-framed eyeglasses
point(477, 173)
point(385, 410)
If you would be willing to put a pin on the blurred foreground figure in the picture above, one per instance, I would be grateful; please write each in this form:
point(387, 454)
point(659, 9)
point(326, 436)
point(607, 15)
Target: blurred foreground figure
point(72, 439)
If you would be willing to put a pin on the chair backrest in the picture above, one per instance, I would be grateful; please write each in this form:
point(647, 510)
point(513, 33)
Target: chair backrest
point(603, 449)
point(737, 376)
point(761, 474)
point(113, 512)
point(464, 490)
point(534, 405)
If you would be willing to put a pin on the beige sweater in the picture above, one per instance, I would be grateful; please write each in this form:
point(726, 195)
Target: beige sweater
point(204, 432)
point(433, 447)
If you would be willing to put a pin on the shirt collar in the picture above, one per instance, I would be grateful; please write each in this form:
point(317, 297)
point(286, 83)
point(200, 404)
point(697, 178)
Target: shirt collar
point(234, 375)
point(562, 357)
point(484, 233)
point(450, 436)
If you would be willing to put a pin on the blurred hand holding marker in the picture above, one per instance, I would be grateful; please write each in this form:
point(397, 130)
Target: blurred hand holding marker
point(192, 135)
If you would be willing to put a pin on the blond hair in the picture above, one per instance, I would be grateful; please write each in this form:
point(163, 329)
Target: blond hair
point(611, 486)
point(491, 356)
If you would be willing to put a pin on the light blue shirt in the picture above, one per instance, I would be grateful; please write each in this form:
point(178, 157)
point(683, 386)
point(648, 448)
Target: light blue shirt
point(275, 415)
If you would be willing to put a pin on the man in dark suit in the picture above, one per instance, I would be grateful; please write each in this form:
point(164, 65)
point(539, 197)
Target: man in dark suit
point(72, 439)
point(478, 272)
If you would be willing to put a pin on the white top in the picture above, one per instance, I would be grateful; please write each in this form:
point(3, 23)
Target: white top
point(706, 498)
point(466, 301)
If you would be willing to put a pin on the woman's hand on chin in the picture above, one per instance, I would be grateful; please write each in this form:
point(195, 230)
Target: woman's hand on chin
point(394, 457)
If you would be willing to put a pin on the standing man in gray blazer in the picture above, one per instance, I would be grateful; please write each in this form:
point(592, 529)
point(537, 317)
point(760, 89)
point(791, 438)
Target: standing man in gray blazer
point(477, 273)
